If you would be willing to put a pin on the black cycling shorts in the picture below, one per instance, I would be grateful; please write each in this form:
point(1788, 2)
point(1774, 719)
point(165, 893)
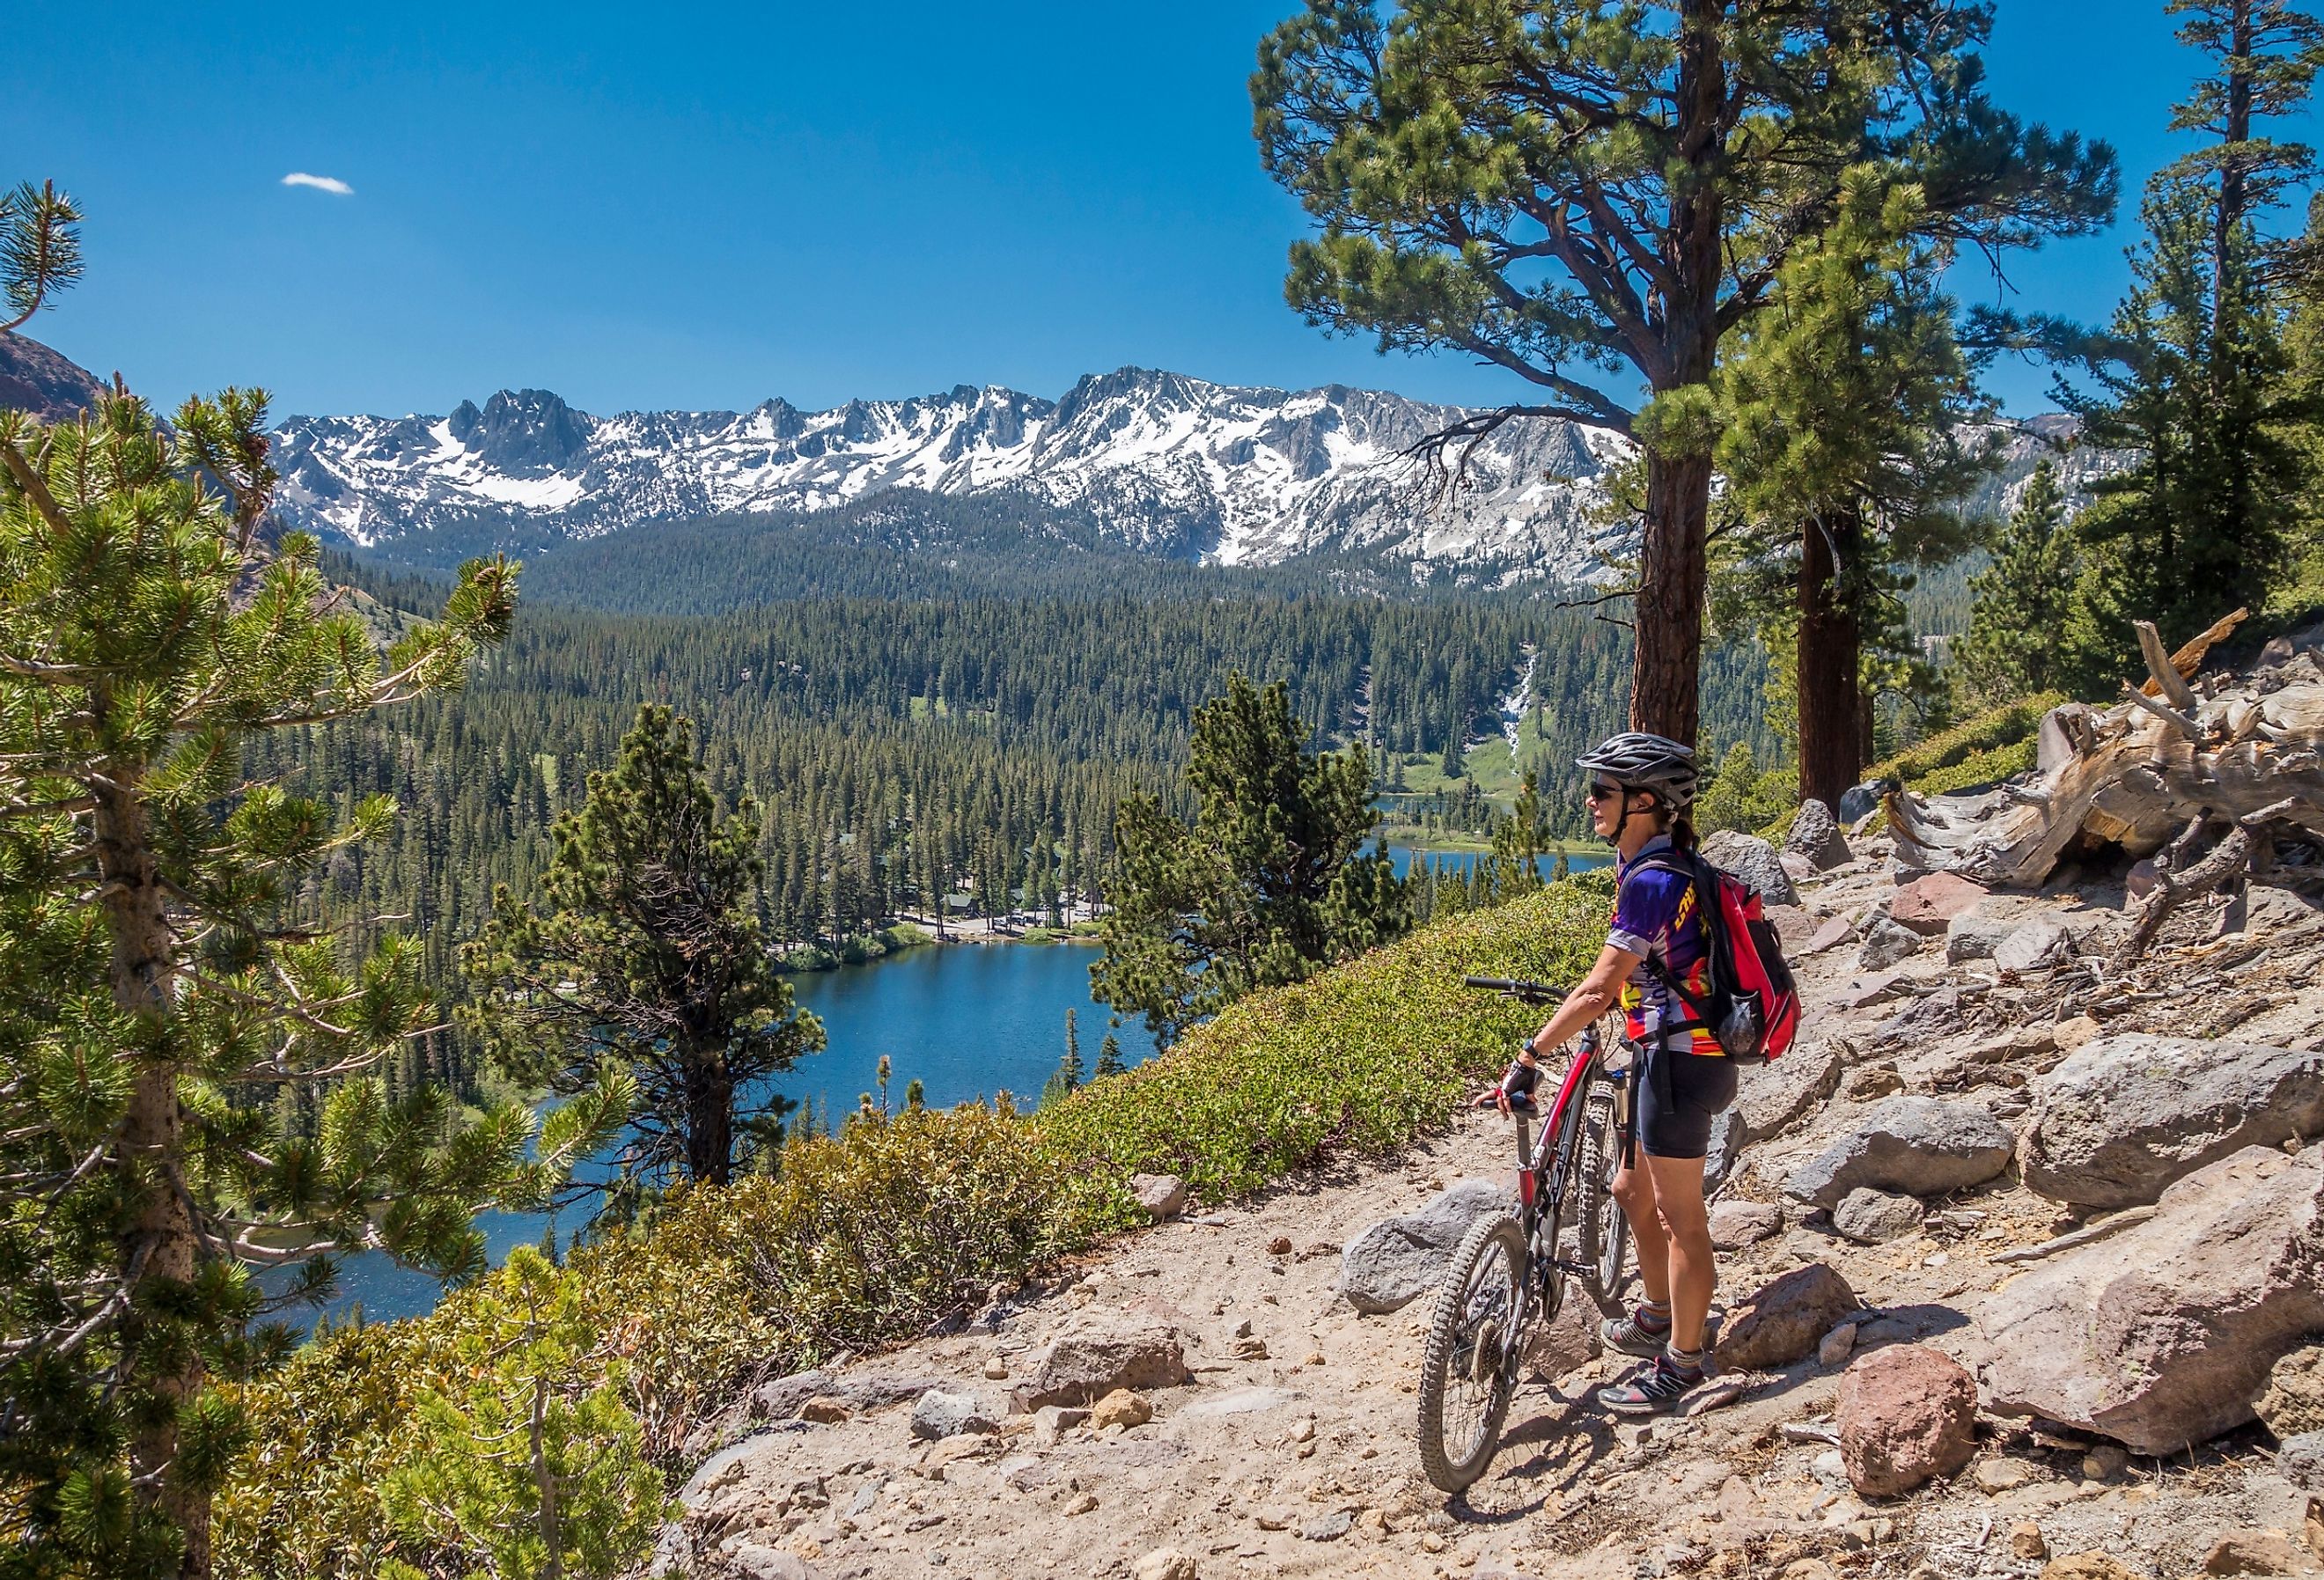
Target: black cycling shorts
point(1698, 1087)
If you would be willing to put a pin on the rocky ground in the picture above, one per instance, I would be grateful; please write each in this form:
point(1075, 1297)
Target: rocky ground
point(1913, 1378)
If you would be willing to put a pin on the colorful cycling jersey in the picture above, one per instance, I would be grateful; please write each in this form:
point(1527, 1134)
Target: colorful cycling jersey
point(1655, 915)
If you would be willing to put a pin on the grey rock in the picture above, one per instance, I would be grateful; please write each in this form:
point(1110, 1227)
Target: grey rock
point(1772, 1098)
point(1092, 1359)
point(1753, 860)
point(1921, 1146)
point(1332, 1526)
point(779, 1399)
point(1726, 1143)
point(2162, 1334)
point(1858, 803)
point(2121, 1117)
point(2301, 1461)
point(751, 1560)
point(1815, 835)
point(1886, 943)
point(1875, 1217)
point(1052, 1421)
point(782, 1400)
point(2037, 946)
point(1971, 936)
point(939, 1414)
point(1395, 1262)
point(1162, 1195)
point(1800, 869)
point(1735, 1224)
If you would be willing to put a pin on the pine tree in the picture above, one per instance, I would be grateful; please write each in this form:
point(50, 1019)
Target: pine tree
point(526, 1461)
point(1519, 842)
point(2010, 649)
point(1266, 887)
point(643, 954)
point(2197, 385)
point(1109, 1057)
point(1847, 414)
point(160, 998)
point(1562, 188)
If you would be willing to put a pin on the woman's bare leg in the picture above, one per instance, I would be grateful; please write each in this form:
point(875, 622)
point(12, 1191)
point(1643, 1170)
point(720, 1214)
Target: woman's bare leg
point(1688, 1270)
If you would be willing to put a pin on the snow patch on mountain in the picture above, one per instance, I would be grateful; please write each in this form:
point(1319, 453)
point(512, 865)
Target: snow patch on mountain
point(1160, 461)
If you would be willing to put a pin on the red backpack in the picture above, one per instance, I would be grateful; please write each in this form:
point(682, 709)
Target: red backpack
point(1753, 1006)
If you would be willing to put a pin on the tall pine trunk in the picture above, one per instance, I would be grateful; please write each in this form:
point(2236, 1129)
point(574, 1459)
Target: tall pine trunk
point(1665, 674)
point(1667, 663)
point(157, 1248)
point(1831, 642)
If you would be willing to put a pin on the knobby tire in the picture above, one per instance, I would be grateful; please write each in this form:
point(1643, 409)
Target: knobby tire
point(1469, 1367)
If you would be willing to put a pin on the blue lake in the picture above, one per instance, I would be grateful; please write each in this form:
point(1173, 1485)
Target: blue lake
point(967, 1019)
point(1459, 862)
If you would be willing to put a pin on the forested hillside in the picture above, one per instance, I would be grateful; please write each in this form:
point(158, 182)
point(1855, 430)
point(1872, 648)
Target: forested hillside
point(907, 749)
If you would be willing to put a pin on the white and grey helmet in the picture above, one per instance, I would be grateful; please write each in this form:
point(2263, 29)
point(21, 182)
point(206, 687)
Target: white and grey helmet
point(1637, 761)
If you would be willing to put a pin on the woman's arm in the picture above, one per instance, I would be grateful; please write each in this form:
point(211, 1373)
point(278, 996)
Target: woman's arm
point(1596, 995)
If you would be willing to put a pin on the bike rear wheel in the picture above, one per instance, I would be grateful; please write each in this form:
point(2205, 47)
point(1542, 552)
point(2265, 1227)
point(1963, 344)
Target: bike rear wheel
point(1469, 1371)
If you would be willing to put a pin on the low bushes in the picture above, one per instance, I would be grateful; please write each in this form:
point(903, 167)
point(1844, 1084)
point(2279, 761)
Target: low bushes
point(1359, 1058)
point(866, 1236)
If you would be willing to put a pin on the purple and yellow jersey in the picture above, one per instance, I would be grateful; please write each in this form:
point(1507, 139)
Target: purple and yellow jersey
point(1655, 914)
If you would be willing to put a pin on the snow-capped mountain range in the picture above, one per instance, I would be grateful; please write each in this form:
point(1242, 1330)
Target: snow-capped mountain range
point(1163, 462)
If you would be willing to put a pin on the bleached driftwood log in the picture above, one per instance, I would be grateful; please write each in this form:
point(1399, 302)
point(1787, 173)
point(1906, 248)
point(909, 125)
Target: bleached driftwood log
point(2242, 752)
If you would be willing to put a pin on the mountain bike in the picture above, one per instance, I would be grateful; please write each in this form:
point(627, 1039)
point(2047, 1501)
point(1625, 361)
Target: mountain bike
point(1509, 1274)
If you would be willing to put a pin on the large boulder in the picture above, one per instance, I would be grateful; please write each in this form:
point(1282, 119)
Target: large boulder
point(2162, 1334)
point(1090, 1360)
point(1815, 835)
point(1906, 1415)
point(2121, 1117)
point(1753, 860)
point(1772, 1098)
point(1859, 801)
point(1928, 904)
point(1785, 1320)
point(1921, 1146)
point(1396, 1261)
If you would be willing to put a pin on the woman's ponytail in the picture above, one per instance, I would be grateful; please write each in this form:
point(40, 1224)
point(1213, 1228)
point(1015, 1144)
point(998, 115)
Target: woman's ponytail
point(1682, 829)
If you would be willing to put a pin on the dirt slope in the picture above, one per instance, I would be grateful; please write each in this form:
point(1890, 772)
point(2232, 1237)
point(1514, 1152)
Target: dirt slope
point(1301, 1463)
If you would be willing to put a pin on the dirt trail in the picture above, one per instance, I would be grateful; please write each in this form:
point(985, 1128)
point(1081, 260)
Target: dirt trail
point(1302, 1463)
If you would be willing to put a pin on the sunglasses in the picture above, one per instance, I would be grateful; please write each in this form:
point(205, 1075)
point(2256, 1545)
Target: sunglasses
point(1603, 792)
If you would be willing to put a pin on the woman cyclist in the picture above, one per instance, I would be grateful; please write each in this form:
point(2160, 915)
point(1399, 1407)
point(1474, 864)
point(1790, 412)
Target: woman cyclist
point(1641, 787)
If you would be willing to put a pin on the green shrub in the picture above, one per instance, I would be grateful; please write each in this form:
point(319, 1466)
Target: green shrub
point(1358, 1058)
point(866, 1236)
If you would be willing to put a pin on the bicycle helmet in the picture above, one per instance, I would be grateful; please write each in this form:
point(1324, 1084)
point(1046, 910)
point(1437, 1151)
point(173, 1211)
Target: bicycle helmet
point(1636, 761)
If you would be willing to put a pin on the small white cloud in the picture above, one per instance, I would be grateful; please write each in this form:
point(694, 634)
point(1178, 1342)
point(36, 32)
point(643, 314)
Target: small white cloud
point(331, 184)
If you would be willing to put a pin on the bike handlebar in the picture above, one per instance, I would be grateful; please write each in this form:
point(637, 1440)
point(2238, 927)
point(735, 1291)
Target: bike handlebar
point(1532, 992)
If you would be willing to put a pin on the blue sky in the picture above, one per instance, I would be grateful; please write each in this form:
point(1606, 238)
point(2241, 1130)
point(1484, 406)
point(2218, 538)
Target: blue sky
point(683, 206)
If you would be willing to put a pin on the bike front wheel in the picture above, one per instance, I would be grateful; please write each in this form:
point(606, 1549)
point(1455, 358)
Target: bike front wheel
point(1605, 1227)
point(1469, 1368)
